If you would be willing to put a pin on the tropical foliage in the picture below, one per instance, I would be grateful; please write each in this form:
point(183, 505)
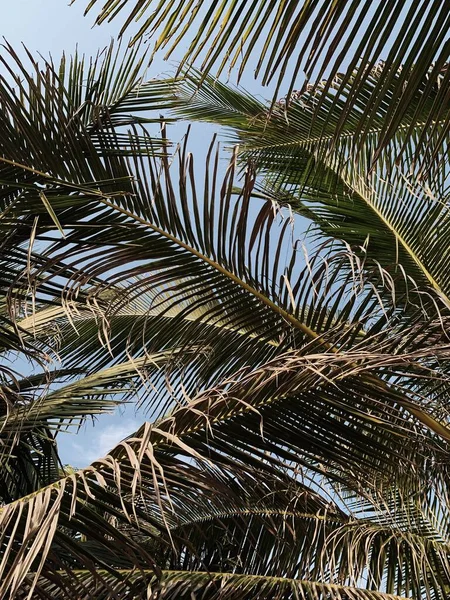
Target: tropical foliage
point(281, 317)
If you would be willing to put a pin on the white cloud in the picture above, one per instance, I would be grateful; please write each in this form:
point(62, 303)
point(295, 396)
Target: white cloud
point(101, 440)
point(112, 435)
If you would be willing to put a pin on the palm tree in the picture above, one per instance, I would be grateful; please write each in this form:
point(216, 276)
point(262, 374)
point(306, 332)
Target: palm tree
point(298, 441)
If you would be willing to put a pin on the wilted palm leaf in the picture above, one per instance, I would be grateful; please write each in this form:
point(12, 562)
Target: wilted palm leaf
point(152, 469)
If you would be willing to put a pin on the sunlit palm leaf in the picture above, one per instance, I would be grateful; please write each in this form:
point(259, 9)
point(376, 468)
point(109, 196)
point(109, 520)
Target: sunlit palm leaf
point(286, 40)
point(402, 220)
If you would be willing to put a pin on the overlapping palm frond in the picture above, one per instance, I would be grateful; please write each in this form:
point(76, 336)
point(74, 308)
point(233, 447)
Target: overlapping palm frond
point(152, 470)
point(42, 146)
point(35, 409)
point(129, 211)
point(302, 302)
point(226, 276)
point(301, 41)
point(213, 586)
point(401, 219)
point(296, 309)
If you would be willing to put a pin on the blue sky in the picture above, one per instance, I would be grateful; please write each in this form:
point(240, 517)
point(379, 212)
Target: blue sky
point(53, 27)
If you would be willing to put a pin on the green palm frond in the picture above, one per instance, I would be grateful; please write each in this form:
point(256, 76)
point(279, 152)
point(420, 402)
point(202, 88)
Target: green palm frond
point(287, 41)
point(15, 258)
point(303, 385)
point(46, 143)
point(324, 547)
point(401, 219)
point(274, 301)
point(195, 266)
point(90, 395)
point(29, 461)
point(80, 95)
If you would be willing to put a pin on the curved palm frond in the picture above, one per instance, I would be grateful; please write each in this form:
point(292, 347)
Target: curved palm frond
point(191, 264)
point(49, 139)
point(213, 586)
point(326, 546)
point(159, 226)
point(154, 465)
point(307, 377)
point(313, 39)
point(39, 407)
point(386, 207)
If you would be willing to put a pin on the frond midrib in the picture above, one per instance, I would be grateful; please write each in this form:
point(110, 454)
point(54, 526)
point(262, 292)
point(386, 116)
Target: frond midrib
point(238, 577)
point(330, 164)
point(218, 267)
point(343, 135)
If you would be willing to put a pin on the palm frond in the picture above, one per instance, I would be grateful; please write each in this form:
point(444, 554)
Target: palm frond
point(284, 542)
point(34, 410)
point(46, 141)
point(213, 586)
point(194, 266)
point(308, 377)
point(388, 208)
point(154, 225)
point(154, 465)
point(312, 39)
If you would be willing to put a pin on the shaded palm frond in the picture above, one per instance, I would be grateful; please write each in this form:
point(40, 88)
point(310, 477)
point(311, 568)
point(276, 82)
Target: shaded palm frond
point(211, 586)
point(196, 277)
point(34, 410)
point(307, 378)
point(326, 546)
point(154, 465)
point(50, 140)
point(230, 261)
